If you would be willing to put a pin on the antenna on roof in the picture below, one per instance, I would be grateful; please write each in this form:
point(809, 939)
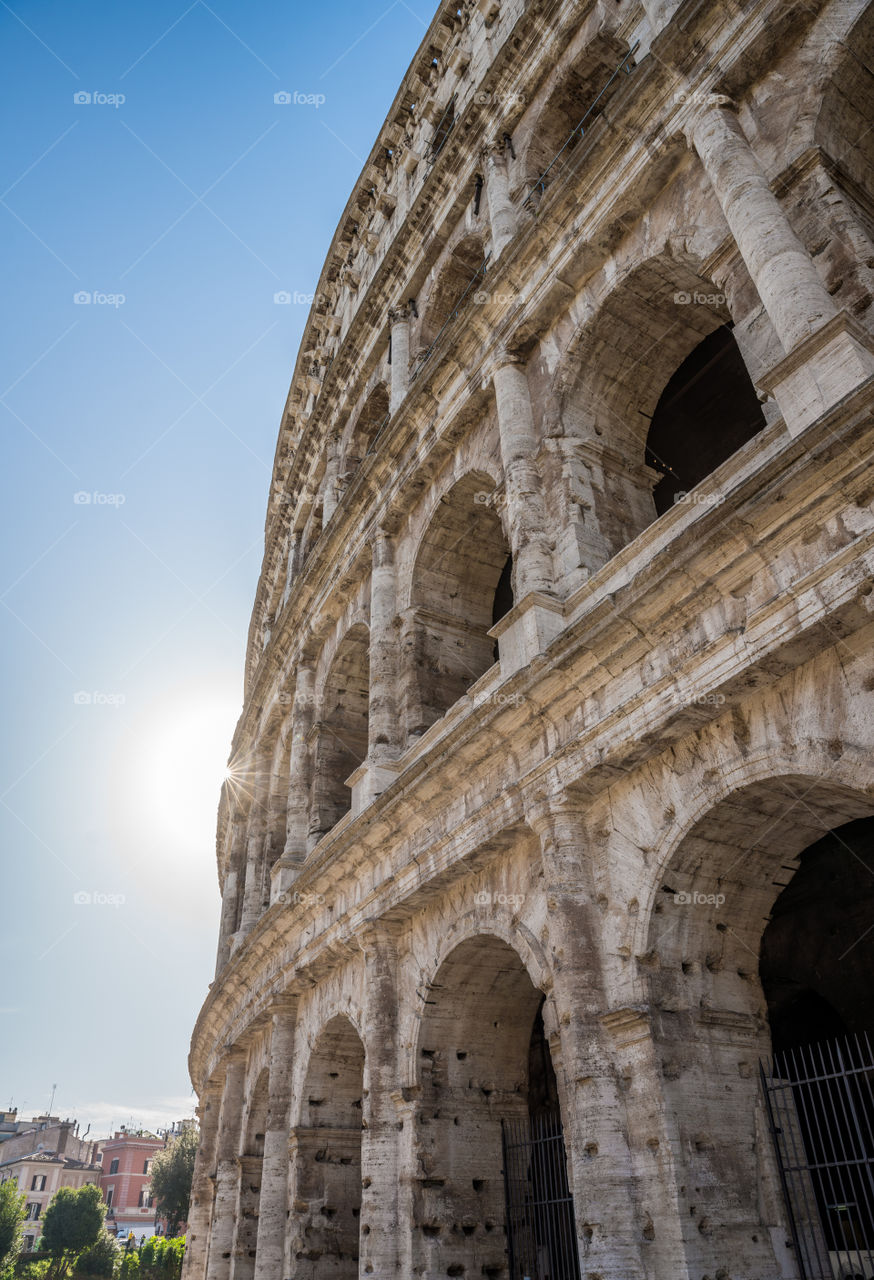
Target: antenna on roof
point(52, 1099)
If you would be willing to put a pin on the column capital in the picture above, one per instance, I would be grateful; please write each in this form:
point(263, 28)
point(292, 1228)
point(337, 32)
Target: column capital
point(399, 313)
point(500, 360)
point(378, 936)
point(542, 811)
point(493, 149)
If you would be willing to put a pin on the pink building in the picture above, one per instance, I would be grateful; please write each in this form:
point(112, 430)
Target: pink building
point(126, 1161)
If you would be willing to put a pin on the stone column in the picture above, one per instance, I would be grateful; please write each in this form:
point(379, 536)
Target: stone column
point(532, 559)
point(227, 1173)
point(502, 211)
point(384, 727)
point(592, 1106)
point(380, 1243)
point(273, 1213)
point(200, 1208)
point(332, 472)
point(828, 352)
point(297, 815)
point(254, 886)
point(399, 320)
point(780, 267)
point(228, 919)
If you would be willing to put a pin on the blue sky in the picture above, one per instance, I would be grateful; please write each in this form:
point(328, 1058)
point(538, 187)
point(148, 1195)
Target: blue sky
point(139, 431)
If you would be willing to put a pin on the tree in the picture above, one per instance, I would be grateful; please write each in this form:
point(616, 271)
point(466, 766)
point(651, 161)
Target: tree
point(11, 1219)
point(172, 1173)
point(100, 1259)
point(72, 1223)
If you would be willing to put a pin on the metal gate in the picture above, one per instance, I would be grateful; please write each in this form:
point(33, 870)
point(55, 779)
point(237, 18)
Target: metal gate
point(541, 1232)
point(820, 1107)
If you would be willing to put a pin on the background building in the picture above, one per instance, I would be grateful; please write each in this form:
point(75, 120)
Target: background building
point(42, 1155)
point(124, 1180)
point(551, 810)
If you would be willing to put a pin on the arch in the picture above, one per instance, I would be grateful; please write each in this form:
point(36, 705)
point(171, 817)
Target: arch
point(327, 1157)
point(453, 277)
point(701, 966)
point(461, 586)
point(655, 385)
point(251, 1169)
point(373, 415)
point(342, 729)
point(483, 1064)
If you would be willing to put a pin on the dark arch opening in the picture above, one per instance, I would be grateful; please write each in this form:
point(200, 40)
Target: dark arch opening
point(708, 409)
point(342, 743)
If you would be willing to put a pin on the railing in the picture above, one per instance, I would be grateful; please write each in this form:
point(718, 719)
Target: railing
point(541, 1231)
point(579, 128)
point(820, 1106)
point(426, 355)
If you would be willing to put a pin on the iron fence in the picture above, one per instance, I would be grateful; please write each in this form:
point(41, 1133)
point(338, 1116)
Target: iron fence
point(820, 1105)
point(541, 1231)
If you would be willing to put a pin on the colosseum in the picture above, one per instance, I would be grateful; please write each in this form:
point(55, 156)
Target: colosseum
point(546, 851)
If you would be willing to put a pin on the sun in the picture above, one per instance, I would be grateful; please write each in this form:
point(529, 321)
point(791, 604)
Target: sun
point(183, 764)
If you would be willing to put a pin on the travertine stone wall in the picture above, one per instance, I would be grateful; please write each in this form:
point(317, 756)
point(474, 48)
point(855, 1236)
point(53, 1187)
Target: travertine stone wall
point(521, 766)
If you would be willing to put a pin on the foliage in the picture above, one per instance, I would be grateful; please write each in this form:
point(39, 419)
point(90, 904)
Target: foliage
point(171, 1174)
point(11, 1220)
point(99, 1260)
point(161, 1258)
point(72, 1223)
point(128, 1267)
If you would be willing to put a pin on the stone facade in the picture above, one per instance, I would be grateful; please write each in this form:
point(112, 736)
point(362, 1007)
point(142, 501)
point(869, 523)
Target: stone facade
point(560, 664)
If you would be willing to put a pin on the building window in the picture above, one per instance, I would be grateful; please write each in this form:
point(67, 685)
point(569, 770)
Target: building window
point(38, 1182)
point(147, 1164)
point(113, 1168)
point(145, 1200)
point(109, 1196)
point(32, 1211)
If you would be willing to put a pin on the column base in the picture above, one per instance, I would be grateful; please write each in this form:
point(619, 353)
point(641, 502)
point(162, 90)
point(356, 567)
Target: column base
point(821, 370)
point(284, 873)
point(368, 781)
point(527, 630)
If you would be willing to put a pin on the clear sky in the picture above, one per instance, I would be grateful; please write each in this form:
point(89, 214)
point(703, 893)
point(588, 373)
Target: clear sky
point(139, 431)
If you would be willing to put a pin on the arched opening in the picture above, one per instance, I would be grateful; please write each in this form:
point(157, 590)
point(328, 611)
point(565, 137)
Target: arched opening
point(373, 416)
point(708, 409)
point(658, 388)
point(327, 1158)
point(492, 1196)
point(816, 963)
point(462, 586)
point(342, 730)
point(722, 984)
point(451, 289)
point(251, 1162)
